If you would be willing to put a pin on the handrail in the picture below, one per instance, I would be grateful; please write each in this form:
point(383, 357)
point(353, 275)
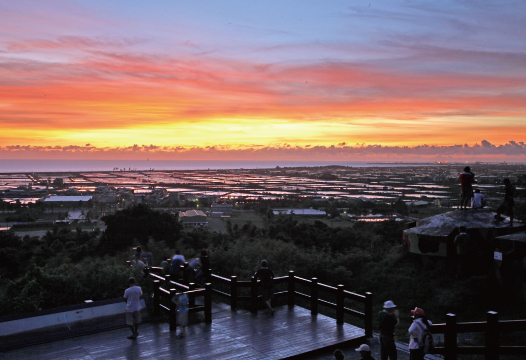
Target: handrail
point(492, 328)
point(291, 280)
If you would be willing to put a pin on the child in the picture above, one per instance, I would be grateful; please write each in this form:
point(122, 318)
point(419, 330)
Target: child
point(181, 300)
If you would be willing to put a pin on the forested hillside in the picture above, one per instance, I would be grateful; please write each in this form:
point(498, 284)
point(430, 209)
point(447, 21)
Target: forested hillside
point(68, 266)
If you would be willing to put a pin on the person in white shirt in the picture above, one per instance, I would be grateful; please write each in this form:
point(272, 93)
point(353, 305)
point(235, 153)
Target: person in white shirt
point(416, 330)
point(478, 201)
point(133, 307)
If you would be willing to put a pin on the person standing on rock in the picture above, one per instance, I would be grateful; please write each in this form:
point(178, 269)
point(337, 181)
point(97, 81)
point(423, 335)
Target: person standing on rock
point(467, 179)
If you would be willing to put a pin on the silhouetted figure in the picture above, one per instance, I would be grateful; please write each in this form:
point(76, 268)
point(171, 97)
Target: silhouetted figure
point(203, 273)
point(462, 243)
point(266, 275)
point(146, 255)
point(467, 179)
point(507, 205)
point(387, 320)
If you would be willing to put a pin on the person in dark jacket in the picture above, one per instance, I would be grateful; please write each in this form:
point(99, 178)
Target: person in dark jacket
point(203, 273)
point(467, 179)
point(463, 245)
point(387, 320)
point(510, 193)
point(266, 275)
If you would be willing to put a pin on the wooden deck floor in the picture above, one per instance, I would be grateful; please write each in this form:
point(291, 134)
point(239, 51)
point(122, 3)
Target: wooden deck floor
point(232, 335)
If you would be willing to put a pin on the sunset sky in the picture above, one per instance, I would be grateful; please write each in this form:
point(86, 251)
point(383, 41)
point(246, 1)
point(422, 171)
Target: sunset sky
point(233, 79)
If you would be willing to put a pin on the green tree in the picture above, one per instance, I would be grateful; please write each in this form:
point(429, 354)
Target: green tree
point(139, 222)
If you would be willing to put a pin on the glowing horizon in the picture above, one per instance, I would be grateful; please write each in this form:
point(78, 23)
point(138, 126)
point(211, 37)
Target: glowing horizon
point(245, 77)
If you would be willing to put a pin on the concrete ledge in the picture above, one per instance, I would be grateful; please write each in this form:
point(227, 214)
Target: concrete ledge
point(29, 329)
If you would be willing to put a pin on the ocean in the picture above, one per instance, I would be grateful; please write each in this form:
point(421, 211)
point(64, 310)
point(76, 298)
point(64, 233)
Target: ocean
point(25, 166)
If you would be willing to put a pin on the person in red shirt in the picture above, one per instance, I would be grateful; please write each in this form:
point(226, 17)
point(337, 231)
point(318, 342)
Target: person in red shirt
point(467, 179)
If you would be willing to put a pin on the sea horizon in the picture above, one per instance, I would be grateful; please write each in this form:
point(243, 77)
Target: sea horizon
point(40, 165)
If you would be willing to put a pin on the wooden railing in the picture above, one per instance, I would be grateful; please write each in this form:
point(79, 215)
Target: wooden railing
point(166, 288)
point(339, 295)
point(492, 329)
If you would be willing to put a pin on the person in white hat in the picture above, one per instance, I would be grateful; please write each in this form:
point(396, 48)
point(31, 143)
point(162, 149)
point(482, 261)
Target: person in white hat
point(365, 352)
point(387, 320)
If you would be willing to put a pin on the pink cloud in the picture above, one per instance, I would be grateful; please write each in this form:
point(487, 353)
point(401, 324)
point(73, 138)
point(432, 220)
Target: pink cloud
point(511, 151)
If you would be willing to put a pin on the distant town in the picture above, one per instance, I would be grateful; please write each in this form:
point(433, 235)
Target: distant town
point(200, 196)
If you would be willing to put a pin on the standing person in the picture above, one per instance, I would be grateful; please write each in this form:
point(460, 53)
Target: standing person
point(365, 352)
point(181, 300)
point(266, 275)
point(462, 243)
point(133, 307)
point(479, 200)
point(416, 330)
point(387, 320)
point(203, 273)
point(146, 255)
point(165, 264)
point(467, 178)
point(507, 205)
point(177, 261)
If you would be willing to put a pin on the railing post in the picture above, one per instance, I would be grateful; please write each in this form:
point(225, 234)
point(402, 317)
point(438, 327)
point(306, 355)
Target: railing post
point(156, 298)
point(368, 315)
point(181, 273)
point(208, 276)
point(314, 296)
point(185, 273)
point(191, 298)
point(450, 338)
point(173, 311)
point(492, 336)
point(208, 303)
point(253, 295)
point(167, 283)
point(339, 305)
point(291, 289)
point(233, 293)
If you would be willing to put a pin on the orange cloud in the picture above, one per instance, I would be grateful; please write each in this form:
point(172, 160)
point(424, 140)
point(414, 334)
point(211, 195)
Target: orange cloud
point(111, 96)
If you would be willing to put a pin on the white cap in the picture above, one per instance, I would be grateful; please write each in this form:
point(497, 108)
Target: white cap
point(364, 347)
point(389, 304)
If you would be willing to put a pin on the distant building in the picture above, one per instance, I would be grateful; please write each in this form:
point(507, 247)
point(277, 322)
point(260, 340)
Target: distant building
point(58, 182)
point(225, 209)
point(193, 219)
point(73, 200)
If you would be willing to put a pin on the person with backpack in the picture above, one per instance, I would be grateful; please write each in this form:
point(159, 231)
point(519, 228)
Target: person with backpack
point(421, 340)
point(266, 275)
